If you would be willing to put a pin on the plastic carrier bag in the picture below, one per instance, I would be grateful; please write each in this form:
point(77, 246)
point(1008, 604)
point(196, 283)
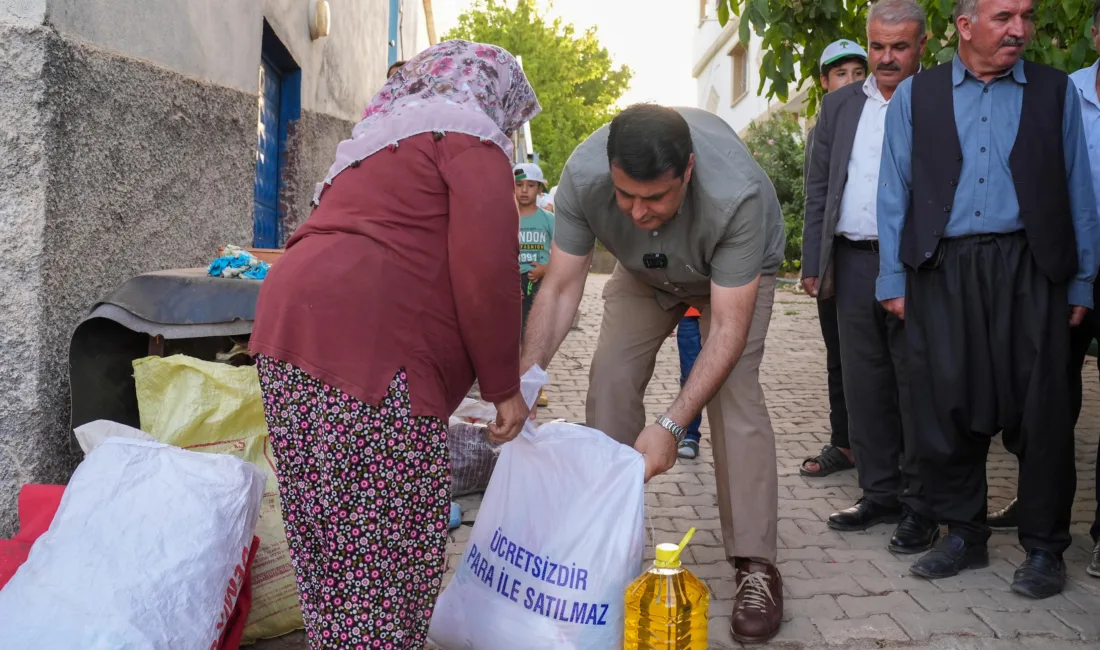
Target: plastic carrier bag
point(559, 535)
point(473, 455)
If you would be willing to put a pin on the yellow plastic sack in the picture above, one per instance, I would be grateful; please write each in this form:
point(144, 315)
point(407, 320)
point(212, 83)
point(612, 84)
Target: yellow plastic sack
point(216, 408)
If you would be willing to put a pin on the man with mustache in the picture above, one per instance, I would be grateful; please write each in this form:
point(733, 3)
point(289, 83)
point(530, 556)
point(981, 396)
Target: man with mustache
point(989, 236)
point(842, 187)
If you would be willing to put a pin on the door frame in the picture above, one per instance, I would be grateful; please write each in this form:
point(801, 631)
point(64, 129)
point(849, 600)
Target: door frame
point(277, 56)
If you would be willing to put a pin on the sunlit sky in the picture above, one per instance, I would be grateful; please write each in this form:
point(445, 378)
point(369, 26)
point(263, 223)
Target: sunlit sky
point(652, 37)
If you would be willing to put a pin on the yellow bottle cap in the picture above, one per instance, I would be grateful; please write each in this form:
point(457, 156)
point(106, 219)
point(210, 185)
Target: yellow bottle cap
point(668, 555)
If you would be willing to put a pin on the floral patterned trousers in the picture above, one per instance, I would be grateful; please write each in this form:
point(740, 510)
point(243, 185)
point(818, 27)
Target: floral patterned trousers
point(365, 497)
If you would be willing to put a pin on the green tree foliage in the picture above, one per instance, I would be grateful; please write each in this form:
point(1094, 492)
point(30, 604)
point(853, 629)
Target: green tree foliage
point(778, 148)
point(573, 76)
point(795, 32)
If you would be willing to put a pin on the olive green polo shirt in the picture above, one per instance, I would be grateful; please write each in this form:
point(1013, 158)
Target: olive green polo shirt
point(729, 228)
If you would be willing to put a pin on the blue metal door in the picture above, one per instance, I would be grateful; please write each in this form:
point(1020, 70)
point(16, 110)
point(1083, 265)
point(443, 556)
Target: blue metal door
point(268, 149)
point(395, 26)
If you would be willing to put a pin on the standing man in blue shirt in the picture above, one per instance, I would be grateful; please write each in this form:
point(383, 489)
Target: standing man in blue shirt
point(1087, 82)
point(988, 235)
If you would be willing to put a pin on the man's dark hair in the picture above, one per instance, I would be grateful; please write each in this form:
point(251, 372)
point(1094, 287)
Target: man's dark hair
point(1096, 13)
point(394, 67)
point(829, 67)
point(648, 141)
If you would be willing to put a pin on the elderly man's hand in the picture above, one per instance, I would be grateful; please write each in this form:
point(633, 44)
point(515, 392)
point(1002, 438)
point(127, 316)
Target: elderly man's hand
point(658, 446)
point(810, 285)
point(1077, 314)
point(895, 306)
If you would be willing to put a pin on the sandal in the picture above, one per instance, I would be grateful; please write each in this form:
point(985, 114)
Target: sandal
point(829, 461)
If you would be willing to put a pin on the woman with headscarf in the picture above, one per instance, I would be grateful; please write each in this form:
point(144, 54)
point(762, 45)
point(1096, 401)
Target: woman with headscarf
point(394, 295)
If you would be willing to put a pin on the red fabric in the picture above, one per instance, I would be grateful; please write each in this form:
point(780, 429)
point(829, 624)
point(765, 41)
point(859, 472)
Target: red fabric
point(37, 506)
point(409, 261)
point(234, 627)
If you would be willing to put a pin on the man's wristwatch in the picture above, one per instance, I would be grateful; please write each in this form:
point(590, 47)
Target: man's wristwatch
point(676, 430)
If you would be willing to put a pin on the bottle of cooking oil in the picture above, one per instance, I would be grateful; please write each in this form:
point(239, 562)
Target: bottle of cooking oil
point(666, 608)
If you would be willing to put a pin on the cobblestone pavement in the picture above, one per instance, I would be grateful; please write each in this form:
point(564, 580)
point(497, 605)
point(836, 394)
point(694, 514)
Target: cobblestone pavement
point(841, 589)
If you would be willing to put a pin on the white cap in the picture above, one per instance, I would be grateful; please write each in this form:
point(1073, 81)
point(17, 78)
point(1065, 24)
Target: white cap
point(840, 49)
point(529, 172)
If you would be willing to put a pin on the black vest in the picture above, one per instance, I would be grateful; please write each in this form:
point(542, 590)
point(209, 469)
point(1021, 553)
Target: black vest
point(1037, 163)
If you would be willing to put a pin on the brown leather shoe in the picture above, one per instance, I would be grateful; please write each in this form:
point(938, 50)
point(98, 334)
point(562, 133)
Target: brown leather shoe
point(758, 604)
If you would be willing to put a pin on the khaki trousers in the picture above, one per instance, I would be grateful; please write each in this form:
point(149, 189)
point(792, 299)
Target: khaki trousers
point(634, 328)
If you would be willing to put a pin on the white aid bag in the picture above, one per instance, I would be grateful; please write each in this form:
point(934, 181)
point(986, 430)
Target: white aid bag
point(558, 537)
point(93, 434)
point(147, 551)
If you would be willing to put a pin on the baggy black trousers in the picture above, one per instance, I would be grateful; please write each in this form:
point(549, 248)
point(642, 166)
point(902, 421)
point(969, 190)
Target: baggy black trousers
point(989, 344)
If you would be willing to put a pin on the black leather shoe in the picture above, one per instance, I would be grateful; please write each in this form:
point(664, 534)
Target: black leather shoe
point(864, 514)
point(1004, 519)
point(914, 534)
point(950, 556)
point(1042, 575)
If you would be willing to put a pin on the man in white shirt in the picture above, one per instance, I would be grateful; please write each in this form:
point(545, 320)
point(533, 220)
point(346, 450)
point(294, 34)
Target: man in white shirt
point(841, 195)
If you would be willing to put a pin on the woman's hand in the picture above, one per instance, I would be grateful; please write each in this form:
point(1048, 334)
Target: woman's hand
point(511, 415)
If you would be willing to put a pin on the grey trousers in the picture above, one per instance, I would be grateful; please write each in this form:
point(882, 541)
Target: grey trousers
point(873, 353)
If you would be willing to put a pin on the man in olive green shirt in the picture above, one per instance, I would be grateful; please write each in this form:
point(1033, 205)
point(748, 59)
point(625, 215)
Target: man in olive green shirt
point(676, 197)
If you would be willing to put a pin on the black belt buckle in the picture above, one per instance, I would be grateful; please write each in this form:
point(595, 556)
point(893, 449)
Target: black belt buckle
point(860, 244)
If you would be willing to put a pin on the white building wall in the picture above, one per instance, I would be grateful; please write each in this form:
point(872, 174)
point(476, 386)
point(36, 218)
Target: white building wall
point(714, 74)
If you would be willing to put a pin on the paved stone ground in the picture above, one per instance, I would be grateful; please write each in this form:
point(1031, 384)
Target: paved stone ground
point(841, 589)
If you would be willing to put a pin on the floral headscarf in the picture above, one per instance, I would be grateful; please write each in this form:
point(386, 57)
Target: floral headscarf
point(455, 86)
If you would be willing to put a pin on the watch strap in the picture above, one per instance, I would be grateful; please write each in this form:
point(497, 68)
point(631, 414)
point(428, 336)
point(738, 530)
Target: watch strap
point(676, 430)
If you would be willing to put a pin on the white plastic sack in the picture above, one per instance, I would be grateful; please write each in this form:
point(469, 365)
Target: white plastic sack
point(559, 535)
point(91, 435)
point(147, 552)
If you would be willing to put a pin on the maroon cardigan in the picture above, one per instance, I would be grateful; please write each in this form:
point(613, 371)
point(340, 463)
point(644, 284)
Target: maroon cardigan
point(411, 261)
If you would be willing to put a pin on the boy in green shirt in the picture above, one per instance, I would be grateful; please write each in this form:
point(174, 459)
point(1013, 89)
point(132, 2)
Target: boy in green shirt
point(536, 231)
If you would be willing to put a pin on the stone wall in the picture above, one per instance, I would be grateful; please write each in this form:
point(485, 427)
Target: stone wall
point(109, 167)
point(24, 455)
point(311, 148)
point(127, 145)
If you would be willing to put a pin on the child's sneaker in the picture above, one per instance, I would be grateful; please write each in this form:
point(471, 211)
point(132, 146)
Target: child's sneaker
point(689, 449)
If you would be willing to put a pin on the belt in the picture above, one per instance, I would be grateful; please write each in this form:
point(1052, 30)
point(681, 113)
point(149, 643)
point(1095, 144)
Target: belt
point(859, 245)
